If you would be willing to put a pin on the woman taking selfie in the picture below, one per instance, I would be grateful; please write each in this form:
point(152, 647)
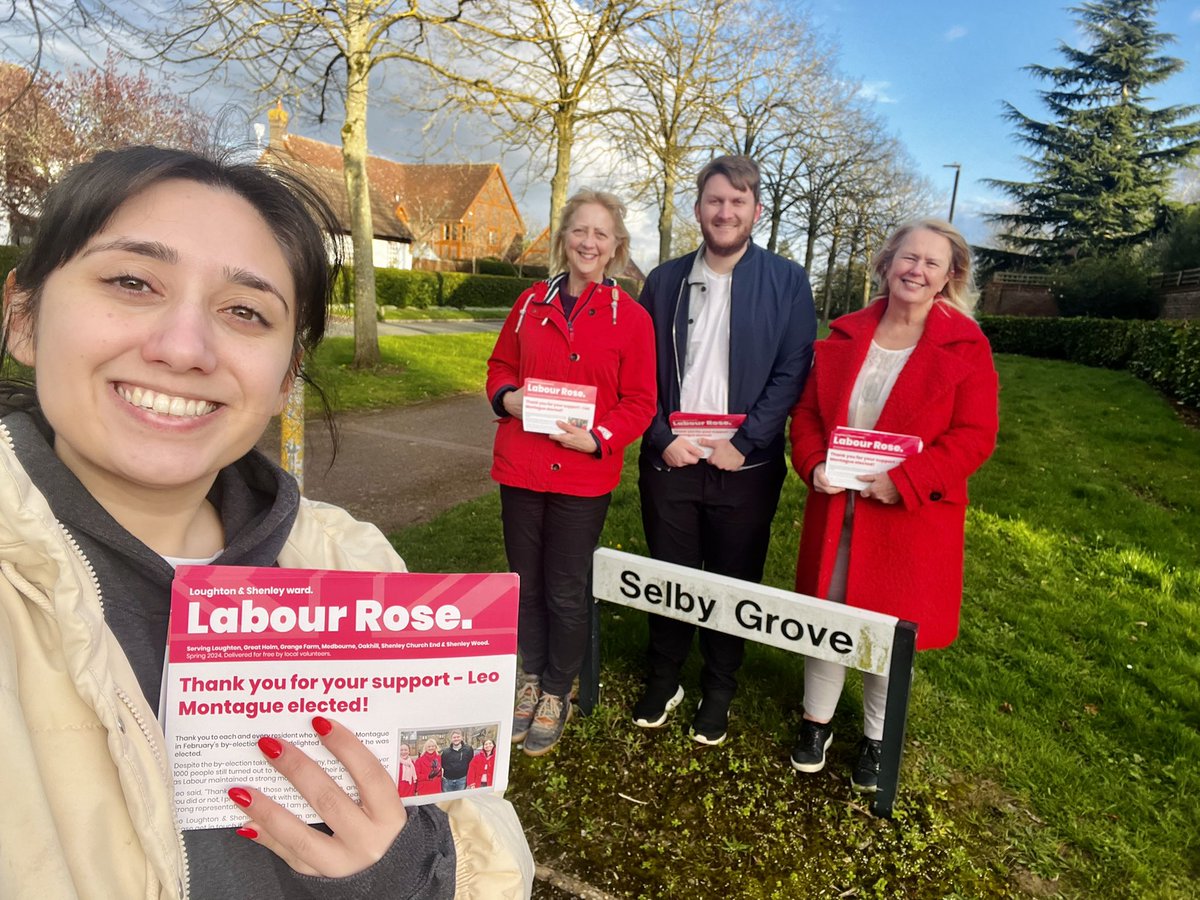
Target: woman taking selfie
point(165, 306)
point(581, 329)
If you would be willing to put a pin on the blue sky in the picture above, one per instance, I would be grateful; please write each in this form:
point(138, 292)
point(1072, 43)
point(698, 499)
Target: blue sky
point(938, 72)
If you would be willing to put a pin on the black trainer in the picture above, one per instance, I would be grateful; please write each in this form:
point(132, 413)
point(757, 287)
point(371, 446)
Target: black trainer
point(711, 722)
point(656, 704)
point(866, 771)
point(809, 753)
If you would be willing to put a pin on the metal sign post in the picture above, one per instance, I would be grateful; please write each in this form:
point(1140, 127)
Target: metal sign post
point(856, 638)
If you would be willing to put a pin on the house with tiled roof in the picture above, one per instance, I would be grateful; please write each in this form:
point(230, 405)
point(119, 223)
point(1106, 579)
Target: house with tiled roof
point(447, 211)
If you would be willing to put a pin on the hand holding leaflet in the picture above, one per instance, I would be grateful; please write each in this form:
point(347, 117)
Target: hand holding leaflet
point(361, 833)
point(858, 451)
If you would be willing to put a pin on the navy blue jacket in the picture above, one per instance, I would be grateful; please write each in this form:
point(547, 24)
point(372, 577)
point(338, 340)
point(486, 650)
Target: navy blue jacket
point(771, 331)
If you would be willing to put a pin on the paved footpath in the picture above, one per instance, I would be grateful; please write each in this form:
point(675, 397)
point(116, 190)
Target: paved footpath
point(399, 467)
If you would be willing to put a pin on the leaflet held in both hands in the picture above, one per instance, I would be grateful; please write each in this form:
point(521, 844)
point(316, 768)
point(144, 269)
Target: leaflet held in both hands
point(403, 660)
point(858, 451)
point(711, 426)
point(547, 403)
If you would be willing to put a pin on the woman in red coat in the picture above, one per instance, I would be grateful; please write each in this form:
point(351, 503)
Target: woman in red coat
point(913, 362)
point(482, 771)
point(580, 329)
point(429, 770)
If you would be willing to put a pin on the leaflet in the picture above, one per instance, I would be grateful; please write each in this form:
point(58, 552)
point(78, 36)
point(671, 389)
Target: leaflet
point(858, 451)
point(549, 402)
point(711, 426)
point(404, 660)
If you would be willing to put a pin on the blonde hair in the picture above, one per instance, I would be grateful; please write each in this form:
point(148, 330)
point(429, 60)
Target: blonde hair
point(960, 288)
point(616, 209)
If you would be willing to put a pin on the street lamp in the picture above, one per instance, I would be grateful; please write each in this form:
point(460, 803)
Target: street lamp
point(957, 167)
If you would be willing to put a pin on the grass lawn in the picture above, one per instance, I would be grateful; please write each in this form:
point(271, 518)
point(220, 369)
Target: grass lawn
point(430, 313)
point(413, 369)
point(1054, 749)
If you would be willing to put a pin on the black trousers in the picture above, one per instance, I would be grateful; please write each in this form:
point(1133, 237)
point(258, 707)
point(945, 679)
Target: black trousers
point(704, 518)
point(549, 539)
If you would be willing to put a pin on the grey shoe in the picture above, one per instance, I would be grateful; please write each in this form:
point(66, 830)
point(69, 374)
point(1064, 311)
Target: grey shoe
point(552, 715)
point(528, 695)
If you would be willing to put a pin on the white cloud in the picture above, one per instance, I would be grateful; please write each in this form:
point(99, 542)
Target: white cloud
point(876, 92)
point(958, 31)
point(1195, 15)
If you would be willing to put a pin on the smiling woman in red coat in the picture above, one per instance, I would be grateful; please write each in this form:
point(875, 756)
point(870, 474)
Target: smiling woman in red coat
point(582, 329)
point(913, 362)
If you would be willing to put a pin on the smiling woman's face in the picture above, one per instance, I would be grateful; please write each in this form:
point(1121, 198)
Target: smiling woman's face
point(162, 348)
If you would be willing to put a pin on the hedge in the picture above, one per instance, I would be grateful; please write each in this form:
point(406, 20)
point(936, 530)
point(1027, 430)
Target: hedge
point(8, 259)
point(1163, 353)
point(460, 289)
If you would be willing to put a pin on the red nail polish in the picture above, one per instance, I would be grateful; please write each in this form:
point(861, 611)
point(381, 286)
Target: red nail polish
point(240, 796)
point(322, 725)
point(248, 833)
point(270, 747)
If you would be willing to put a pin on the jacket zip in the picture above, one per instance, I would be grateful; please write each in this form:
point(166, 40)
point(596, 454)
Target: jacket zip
point(184, 882)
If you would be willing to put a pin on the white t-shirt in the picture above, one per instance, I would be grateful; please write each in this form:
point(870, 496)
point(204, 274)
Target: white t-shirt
point(705, 386)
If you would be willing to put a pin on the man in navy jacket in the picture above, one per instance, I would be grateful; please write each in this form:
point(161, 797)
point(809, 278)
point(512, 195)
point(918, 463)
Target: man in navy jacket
point(734, 327)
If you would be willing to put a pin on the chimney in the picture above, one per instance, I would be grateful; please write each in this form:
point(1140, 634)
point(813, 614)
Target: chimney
point(278, 119)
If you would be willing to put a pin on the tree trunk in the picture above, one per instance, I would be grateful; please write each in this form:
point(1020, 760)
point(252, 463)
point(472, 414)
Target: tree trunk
point(810, 243)
point(354, 165)
point(666, 210)
point(833, 248)
point(776, 222)
point(559, 183)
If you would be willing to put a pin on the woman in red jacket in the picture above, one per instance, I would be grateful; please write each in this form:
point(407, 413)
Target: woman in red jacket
point(429, 770)
point(482, 771)
point(913, 362)
point(580, 330)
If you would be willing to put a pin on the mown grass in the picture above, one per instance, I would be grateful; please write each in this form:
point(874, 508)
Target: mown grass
point(413, 369)
point(1053, 750)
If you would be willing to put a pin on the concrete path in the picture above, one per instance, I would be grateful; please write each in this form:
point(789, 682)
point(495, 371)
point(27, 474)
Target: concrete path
point(402, 466)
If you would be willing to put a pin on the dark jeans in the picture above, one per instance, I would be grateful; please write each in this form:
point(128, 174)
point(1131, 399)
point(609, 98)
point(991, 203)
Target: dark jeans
point(549, 539)
point(704, 518)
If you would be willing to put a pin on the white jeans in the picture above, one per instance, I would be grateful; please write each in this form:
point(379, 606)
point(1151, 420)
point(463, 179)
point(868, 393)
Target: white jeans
point(823, 681)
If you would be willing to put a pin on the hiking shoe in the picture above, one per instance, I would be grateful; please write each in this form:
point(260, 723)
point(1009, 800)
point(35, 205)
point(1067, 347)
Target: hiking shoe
point(528, 695)
point(548, 724)
point(866, 771)
point(809, 753)
point(656, 704)
point(712, 719)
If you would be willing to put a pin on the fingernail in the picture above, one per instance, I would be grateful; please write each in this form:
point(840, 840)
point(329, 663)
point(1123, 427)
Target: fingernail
point(248, 833)
point(270, 747)
point(240, 796)
point(322, 725)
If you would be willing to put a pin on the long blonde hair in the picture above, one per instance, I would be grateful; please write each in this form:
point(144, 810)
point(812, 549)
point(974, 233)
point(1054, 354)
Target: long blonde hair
point(960, 288)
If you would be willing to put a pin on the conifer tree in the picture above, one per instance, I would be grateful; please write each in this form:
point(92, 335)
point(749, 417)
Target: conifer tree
point(1102, 161)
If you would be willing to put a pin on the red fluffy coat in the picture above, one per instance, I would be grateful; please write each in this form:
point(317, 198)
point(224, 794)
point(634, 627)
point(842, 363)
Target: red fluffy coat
point(906, 559)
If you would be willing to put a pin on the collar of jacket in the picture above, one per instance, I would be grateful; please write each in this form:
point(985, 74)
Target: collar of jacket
point(943, 325)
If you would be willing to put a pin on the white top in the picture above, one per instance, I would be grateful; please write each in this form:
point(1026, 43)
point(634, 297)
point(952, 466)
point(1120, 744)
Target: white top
point(705, 387)
point(176, 561)
point(874, 384)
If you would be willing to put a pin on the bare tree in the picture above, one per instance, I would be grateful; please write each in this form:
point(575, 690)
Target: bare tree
point(543, 71)
point(680, 62)
point(324, 52)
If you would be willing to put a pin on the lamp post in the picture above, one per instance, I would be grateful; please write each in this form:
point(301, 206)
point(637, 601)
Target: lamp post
point(957, 167)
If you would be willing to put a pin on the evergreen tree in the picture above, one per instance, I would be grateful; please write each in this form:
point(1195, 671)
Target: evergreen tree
point(1102, 162)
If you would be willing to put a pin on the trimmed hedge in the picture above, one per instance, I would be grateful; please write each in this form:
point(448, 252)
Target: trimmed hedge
point(1165, 354)
point(460, 289)
point(416, 289)
point(8, 259)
